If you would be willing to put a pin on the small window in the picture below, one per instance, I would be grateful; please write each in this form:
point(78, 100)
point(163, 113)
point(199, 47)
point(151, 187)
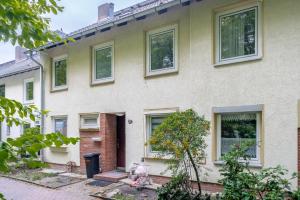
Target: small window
point(2, 90)
point(162, 50)
point(153, 121)
point(103, 63)
point(26, 126)
point(28, 90)
point(237, 128)
point(60, 125)
point(89, 121)
point(59, 73)
point(238, 37)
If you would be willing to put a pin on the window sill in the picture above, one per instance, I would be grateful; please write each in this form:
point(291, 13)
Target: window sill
point(62, 149)
point(251, 164)
point(102, 82)
point(236, 61)
point(161, 73)
point(53, 90)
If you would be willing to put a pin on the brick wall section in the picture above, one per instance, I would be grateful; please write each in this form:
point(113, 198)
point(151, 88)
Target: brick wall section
point(107, 147)
point(205, 186)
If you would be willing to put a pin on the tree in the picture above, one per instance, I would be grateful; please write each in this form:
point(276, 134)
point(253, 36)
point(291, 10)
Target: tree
point(181, 139)
point(23, 21)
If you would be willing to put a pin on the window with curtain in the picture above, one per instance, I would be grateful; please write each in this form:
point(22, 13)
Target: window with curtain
point(237, 128)
point(237, 34)
point(60, 73)
point(103, 63)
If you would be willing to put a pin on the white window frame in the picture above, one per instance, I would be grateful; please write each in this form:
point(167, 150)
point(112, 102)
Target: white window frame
point(100, 47)
point(89, 116)
point(56, 59)
point(57, 118)
point(147, 128)
point(255, 160)
point(25, 91)
point(258, 34)
point(158, 31)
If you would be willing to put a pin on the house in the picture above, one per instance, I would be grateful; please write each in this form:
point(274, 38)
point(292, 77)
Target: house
point(234, 61)
point(20, 81)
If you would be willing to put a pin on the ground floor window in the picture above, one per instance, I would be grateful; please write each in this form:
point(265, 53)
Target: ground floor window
point(237, 128)
point(60, 125)
point(153, 121)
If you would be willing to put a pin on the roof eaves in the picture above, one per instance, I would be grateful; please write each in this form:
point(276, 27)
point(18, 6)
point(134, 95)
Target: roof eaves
point(149, 8)
point(19, 72)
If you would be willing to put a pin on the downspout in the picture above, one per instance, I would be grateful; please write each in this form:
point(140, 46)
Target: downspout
point(42, 98)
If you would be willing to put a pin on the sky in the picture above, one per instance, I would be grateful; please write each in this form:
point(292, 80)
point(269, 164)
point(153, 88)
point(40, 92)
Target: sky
point(76, 14)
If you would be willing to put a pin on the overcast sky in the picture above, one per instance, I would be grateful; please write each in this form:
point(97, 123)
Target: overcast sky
point(77, 14)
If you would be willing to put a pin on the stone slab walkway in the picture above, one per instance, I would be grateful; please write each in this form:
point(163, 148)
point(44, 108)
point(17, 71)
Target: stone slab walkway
point(18, 190)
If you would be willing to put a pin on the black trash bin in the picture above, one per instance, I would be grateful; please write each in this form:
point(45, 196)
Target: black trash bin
point(91, 164)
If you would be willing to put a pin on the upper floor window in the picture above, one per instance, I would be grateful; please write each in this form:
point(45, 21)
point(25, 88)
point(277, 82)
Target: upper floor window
point(238, 35)
point(2, 90)
point(59, 73)
point(103, 63)
point(162, 50)
point(28, 90)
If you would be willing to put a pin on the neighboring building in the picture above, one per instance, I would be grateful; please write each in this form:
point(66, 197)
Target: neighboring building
point(20, 81)
point(236, 62)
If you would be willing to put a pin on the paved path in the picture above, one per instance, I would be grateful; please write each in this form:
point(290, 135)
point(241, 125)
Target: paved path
point(18, 190)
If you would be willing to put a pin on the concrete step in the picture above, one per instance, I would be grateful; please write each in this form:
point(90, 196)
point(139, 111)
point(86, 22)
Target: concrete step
point(113, 176)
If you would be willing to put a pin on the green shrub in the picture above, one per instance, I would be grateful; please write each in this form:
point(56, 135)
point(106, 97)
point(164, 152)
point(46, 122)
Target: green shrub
point(240, 182)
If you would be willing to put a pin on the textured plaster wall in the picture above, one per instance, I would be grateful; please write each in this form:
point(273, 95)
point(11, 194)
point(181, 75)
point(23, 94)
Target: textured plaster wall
point(272, 81)
point(14, 89)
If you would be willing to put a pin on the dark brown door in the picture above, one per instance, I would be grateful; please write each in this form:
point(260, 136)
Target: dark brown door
point(121, 141)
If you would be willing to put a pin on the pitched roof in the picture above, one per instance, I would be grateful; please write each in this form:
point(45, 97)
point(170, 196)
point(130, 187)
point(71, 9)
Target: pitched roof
point(134, 12)
point(13, 68)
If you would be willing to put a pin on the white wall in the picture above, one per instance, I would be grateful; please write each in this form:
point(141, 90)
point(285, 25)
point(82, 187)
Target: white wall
point(272, 81)
point(14, 89)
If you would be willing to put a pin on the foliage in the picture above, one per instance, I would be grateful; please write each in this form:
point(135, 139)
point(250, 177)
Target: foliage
point(241, 183)
point(26, 147)
point(296, 194)
point(181, 138)
point(2, 197)
point(12, 112)
point(23, 21)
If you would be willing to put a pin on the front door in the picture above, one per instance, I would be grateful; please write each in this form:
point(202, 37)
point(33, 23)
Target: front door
point(121, 140)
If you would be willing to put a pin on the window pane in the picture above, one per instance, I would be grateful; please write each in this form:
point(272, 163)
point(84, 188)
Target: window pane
point(25, 127)
point(238, 34)
point(2, 90)
point(155, 122)
point(104, 63)
point(237, 129)
point(29, 91)
point(162, 50)
point(61, 126)
point(90, 121)
point(61, 73)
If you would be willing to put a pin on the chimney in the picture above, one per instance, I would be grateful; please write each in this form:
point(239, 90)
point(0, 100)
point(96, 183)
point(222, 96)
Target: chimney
point(105, 11)
point(20, 53)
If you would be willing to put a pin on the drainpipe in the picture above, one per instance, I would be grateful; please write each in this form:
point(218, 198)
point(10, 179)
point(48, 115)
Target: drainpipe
point(42, 91)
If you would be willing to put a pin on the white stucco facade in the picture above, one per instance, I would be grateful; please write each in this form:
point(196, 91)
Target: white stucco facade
point(273, 81)
point(14, 89)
